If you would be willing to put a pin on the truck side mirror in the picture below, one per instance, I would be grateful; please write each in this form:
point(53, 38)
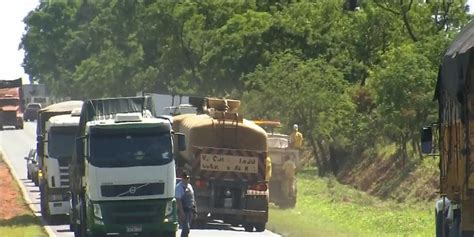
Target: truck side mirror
point(181, 141)
point(427, 140)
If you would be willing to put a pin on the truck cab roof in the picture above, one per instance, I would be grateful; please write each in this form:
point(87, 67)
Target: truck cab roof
point(63, 120)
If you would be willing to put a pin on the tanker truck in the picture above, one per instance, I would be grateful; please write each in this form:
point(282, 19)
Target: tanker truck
point(123, 170)
point(452, 138)
point(278, 149)
point(225, 157)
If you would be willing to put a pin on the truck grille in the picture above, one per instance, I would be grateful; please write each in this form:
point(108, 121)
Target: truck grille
point(8, 118)
point(127, 190)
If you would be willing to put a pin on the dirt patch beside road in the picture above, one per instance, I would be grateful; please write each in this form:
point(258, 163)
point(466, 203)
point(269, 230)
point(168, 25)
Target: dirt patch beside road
point(10, 196)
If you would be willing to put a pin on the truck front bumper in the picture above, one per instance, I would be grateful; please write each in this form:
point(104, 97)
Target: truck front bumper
point(141, 217)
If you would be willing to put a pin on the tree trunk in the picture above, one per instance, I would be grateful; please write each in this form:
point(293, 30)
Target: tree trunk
point(333, 158)
point(317, 156)
point(324, 158)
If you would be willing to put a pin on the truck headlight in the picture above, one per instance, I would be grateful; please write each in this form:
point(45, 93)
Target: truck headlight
point(97, 211)
point(170, 211)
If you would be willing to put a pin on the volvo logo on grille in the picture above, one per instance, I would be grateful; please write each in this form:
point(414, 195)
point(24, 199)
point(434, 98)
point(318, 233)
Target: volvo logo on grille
point(132, 189)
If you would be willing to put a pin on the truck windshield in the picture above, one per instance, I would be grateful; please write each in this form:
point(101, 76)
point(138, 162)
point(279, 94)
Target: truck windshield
point(130, 149)
point(61, 142)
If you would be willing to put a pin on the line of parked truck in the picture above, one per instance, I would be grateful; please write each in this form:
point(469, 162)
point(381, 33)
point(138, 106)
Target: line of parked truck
point(111, 164)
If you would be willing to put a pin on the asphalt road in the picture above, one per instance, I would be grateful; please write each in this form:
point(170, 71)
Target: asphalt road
point(16, 144)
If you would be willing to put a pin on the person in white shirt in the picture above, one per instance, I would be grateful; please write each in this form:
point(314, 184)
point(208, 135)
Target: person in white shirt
point(184, 194)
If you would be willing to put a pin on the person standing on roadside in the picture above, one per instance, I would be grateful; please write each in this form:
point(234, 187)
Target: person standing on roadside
point(296, 138)
point(184, 194)
point(289, 171)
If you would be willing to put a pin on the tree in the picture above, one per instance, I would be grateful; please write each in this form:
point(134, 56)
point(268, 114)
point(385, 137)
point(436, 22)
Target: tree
point(403, 85)
point(308, 92)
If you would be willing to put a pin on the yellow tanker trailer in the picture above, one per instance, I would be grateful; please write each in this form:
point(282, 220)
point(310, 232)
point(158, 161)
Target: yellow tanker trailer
point(225, 157)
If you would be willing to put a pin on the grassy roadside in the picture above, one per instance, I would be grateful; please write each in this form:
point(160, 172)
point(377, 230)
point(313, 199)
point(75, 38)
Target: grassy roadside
point(327, 208)
point(16, 219)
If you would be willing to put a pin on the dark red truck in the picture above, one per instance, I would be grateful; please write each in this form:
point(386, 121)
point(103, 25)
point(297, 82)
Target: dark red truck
point(11, 103)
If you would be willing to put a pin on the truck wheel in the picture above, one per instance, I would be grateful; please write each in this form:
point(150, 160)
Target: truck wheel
point(198, 223)
point(248, 227)
point(81, 230)
point(260, 227)
point(72, 215)
point(36, 180)
point(19, 126)
point(169, 234)
point(44, 204)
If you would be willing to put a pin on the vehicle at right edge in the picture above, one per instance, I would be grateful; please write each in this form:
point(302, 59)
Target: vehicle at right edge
point(452, 138)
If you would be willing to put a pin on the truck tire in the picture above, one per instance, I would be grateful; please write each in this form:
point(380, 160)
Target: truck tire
point(19, 126)
point(260, 227)
point(72, 215)
point(35, 180)
point(169, 234)
point(248, 227)
point(199, 223)
point(81, 230)
point(44, 204)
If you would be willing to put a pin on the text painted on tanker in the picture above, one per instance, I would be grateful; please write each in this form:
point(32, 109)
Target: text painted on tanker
point(214, 162)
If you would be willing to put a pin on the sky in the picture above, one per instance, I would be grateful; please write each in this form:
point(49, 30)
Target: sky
point(12, 28)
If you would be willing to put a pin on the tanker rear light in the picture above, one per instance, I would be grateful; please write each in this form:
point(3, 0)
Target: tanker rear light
point(258, 187)
point(200, 183)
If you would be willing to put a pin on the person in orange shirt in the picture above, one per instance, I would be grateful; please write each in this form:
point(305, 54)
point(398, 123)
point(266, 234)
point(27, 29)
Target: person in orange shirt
point(296, 138)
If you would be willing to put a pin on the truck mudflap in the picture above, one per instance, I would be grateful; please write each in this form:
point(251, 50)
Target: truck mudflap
point(237, 212)
point(132, 217)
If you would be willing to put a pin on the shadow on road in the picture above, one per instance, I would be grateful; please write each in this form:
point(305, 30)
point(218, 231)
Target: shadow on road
point(217, 225)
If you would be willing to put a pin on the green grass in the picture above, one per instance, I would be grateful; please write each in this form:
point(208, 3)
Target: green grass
point(25, 225)
point(327, 208)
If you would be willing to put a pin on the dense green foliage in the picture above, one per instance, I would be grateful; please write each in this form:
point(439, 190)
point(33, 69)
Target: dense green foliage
point(349, 76)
